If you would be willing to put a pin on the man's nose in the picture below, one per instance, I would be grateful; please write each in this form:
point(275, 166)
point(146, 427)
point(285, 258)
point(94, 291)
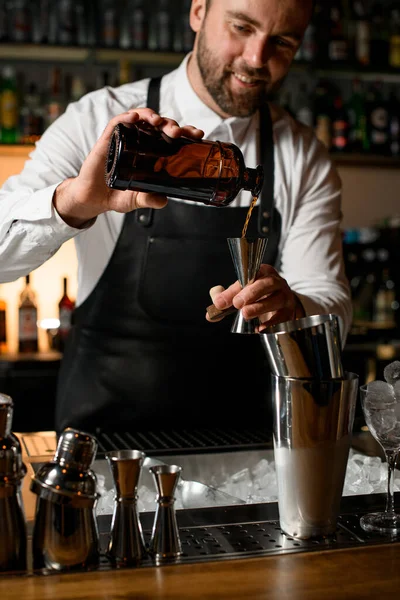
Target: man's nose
point(257, 52)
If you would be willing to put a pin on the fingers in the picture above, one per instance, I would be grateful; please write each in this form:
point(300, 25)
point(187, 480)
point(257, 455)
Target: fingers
point(144, 200)
point(217, 289)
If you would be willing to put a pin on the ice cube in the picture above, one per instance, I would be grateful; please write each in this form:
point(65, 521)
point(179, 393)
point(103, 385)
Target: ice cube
point(391, 372)
point(379, 394)
point(396, 388)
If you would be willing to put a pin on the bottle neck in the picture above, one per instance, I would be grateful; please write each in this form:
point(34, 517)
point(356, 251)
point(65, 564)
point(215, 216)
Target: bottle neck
point(253, 180)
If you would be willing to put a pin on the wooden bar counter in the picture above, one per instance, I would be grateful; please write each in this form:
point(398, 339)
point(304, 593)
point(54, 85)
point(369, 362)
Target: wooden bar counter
point(371, 572)
point(368, 571)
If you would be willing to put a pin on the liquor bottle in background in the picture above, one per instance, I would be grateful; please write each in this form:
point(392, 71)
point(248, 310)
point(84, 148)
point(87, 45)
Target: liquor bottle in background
point(20, 21)
point(377, 120)
point(31, 116)
point(108, 24)
point(183, 36)
point(379, 36)
point(65, 309)
point(361, 33)
point(394, 36)
point(363, 299)
point(55, 105)
point(3, 326)
point(384, 305)
point(27, 319)
point(3, 21)
point(394, 122)
point(323, 113)
point(358, 138)
point(160, 28)
point(338, 45)
point(304, 105)
point(340, 126)
point(133, 25)
point(8, 106)
point(309, 45)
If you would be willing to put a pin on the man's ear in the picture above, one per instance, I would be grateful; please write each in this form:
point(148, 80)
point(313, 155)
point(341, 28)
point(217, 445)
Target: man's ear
point(197, 14)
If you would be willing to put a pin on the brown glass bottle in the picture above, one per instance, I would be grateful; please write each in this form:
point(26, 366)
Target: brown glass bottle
point(27, 320)
point(143, 158)
point(65, 309)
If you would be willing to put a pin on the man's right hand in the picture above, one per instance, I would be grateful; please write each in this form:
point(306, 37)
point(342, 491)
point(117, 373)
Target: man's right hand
point(80, 199)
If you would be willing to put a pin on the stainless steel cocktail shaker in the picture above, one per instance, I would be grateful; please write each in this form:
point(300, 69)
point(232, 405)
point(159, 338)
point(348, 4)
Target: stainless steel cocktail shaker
point(12, 472)
point(65, 534)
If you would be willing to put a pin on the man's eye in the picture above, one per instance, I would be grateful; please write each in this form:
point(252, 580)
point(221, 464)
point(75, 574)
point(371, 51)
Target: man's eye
point(241, 28)
point(282, 42)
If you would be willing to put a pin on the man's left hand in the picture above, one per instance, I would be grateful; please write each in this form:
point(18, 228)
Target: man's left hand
point(269, 298)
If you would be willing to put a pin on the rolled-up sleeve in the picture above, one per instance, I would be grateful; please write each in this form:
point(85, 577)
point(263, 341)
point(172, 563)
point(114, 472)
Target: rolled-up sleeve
point(311, 257)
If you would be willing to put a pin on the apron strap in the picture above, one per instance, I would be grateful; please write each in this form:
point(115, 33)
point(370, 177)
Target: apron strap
point(266, 141)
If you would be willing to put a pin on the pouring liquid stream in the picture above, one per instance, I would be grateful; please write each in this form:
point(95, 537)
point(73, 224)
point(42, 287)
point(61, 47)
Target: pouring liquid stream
point(246, 223)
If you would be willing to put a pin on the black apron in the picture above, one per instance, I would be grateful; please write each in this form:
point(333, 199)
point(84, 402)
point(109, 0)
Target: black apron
point(140, 354)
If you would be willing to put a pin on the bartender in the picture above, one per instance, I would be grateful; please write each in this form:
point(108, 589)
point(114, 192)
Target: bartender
point(142, 353)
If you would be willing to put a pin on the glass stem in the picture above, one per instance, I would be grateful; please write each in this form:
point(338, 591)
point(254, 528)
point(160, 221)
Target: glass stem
point(391, 457)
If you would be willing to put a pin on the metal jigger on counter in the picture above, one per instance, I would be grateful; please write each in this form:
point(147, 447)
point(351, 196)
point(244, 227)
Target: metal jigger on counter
point(126, 545)
point(12, 471)
point(65, 534)
point(165, 543)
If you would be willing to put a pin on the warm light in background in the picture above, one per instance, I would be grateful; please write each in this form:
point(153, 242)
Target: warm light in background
point(47, 282)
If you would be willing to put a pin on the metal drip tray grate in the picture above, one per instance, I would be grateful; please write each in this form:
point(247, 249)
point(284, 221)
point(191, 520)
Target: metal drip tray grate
point(183, 441)
point(241, 540)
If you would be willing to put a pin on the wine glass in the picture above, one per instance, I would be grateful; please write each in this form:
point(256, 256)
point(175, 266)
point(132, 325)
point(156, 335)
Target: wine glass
point(381, 411)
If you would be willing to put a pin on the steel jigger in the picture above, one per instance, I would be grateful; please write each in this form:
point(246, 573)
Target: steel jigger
point(165, 544)
point(126, 545)
point(247, 255)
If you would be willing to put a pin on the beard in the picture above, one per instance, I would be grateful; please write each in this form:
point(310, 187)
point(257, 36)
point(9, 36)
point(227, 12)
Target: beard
point(216, 81)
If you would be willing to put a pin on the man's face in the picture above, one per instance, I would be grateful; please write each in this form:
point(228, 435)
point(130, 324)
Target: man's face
point(243, 50)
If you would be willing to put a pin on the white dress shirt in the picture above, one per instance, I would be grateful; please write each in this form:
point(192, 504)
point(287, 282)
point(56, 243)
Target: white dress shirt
point(307, 193)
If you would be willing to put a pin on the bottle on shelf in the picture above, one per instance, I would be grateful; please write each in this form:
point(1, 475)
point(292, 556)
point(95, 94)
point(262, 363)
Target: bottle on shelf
point(160, 27)
point(109, 24)
point(3, 326)
point(379, 36)
point(377, 115)
point(183, 34)
point(323, 113)
point(31, 116)
point(8, 106)
point(338, 45)
point(394, 121)
point(364, 293)
point(394, 36)
point(361, 34)
point(384, 305)
point(340, 126)
point(65, 309)
point(27, 319)
point(303, 108)
point(358, 138)
point(133, 26)
point(56, 104)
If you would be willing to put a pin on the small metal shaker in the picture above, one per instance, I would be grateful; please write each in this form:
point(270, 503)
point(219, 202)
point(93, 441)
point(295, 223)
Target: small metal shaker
point(126, 545)
point(165, 543)
point(12, 471)
point(65, 534)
